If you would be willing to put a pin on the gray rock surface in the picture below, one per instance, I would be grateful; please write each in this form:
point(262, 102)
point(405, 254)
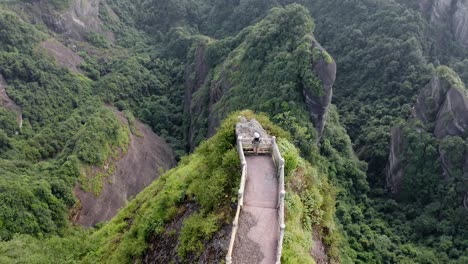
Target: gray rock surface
point(63, 55)
point(449, 14)
point(146, 158)
point(452, 118)
point(318, 105)
point(442, 105)
point(395, 165)
point(75, 22)
point(460, 22)
point(430, 100)
point(247, 128)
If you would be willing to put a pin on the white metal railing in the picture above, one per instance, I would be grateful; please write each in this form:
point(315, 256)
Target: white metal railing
point(267, 145)
point(240, 203)
point(264, 146)
point(279, 161)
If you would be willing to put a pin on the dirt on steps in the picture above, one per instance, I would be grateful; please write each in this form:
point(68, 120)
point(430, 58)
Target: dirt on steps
point(147, 156)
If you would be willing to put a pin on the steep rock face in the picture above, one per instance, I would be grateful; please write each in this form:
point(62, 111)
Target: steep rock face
point(63, 55)
point(441, 10)
point(451, 14)
point(264, 68)
point(430, 100)
point(452, 118)
point(442, 106)
point(217, 90)
point(195, 78)
point(147, 156)
point(395, 166)
point(318, 105)
point(77, 21)
point(460, 22)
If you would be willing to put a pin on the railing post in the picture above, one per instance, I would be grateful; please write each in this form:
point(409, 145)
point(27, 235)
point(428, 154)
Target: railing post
point(235, 223)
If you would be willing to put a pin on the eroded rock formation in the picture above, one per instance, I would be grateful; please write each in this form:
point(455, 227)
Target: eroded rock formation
point(450, 14)
point(147, 156)
point(318, 105)
point(63, 55)
point(442, 106)
point(452, 118)
point(77, 21)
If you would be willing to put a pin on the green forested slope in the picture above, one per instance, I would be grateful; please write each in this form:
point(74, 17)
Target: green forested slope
point(201, 191)
point(254, 58)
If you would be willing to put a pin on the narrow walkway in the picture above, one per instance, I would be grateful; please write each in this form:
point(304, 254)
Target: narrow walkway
point(257, 238)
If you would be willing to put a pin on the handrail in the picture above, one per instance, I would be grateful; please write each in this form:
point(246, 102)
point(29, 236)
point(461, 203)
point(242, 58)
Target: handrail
point(267, 145)
point(281, 194)
point(264, 146)
point(240, 204)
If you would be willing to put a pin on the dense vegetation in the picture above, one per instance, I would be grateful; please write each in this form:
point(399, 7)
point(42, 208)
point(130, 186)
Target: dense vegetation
point(257, 58)
point(213, 166)
point(64, 130)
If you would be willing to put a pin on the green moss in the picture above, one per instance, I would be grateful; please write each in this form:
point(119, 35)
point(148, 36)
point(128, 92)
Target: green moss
point(451, 76)
point(196, 229)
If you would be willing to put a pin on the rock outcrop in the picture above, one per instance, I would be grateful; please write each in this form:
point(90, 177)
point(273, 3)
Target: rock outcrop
point(63, 55)
point(460, 22)
point(147, 156)
point(261, 71)
point(452, 118)
point(318, 105)
point(442, 106)
point(81, 18)
point(449, 14)
point(430, 100)
point(246, 128)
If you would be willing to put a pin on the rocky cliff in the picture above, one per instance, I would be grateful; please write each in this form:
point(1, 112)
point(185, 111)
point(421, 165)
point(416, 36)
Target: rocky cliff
point(287, 75)
point(146, 158)
point(325, 68)
point(442, 108)
point(443, 104)
point(450, 14)
point(76, 21)
point(395, 166)
point(196, 74)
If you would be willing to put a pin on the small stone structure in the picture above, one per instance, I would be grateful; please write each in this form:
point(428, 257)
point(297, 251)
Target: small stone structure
point(245, 131)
